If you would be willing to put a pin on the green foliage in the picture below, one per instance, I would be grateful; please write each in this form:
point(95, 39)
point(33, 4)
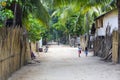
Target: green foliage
point(34, 28)
point(84, 12)
point(35, 8)
point(75, 17)
point(4, 13)
point(12, 0)
point(35, 18)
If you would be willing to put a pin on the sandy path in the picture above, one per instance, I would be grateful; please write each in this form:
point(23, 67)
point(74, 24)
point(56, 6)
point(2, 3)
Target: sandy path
point(62, 63)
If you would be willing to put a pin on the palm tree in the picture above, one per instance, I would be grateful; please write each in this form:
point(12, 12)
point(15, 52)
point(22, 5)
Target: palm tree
point(70, 7)
point(27, 7)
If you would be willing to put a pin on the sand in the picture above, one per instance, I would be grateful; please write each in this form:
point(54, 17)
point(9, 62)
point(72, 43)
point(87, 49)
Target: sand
point(63, 63)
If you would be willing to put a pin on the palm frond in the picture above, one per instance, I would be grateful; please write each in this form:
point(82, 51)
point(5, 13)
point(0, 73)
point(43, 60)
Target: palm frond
point(37, 9)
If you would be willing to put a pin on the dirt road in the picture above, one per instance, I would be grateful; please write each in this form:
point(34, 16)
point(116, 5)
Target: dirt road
point(63, 63)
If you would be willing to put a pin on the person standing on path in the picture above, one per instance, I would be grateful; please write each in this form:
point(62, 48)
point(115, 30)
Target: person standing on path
point(86, 51)
point(79, 50)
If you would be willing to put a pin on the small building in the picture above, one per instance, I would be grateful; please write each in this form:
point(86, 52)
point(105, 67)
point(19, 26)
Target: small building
point(109, 19)
point(105, 25)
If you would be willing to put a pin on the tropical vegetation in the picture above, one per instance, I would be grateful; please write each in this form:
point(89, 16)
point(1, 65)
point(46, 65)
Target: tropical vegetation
point(56, 17)
point(31, 10)
point(75, 17)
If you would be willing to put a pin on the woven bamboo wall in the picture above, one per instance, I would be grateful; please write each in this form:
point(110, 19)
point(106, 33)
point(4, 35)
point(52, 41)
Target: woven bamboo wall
point(115, 47)
point(14, 51)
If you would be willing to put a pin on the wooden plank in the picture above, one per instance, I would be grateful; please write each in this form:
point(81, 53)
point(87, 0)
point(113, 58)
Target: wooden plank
point(0, 71)
point(115, 47)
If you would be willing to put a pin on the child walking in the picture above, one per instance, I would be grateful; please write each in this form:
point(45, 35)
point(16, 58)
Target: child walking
point(86, 51)
point(79, 50)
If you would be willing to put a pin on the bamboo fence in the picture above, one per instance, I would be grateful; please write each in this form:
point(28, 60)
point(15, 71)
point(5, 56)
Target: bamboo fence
point(14, 51)
point(107, 48)
point(115, 47)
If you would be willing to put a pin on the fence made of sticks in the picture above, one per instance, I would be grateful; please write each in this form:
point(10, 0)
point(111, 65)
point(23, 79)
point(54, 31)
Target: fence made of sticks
point(115, 47)
point(14, 51)
point(107, 47)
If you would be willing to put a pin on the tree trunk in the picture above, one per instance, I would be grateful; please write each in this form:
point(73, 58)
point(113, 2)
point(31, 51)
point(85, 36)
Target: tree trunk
point(118, 5)
point(17, 13)
point(14, 20)
point(87, 25)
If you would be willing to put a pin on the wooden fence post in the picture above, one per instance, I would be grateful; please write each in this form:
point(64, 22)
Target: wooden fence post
point(115, 47)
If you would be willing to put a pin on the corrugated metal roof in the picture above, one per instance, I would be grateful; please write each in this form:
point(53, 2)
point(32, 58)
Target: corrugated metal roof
point(105, 13)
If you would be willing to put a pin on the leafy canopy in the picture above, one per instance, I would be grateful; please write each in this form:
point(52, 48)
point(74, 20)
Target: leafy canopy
point(35, 18)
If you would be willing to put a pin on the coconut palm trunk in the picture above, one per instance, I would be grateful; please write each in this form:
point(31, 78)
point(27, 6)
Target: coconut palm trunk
point(118, 5)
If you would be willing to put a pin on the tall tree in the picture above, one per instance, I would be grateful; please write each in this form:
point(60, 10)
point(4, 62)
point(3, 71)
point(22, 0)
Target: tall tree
point(22, 8)
point(36, 8)
point(65, 9)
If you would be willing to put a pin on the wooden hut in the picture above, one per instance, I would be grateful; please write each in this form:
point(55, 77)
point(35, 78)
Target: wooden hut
point(104, 42)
